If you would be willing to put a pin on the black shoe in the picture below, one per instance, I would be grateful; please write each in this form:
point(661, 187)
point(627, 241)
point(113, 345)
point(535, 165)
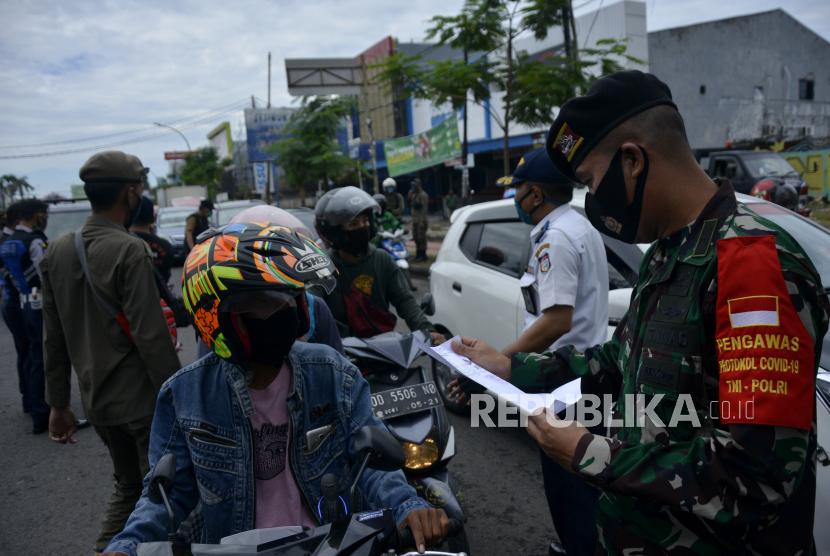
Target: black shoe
point(82, 424)
point(556, 549)
point(40, 429)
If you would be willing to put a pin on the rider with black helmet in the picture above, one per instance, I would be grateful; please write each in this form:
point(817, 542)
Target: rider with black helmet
point(368, 280)
point(237, 419)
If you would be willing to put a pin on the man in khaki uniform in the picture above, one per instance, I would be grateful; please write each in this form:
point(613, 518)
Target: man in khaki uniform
point(121, 363)
point(419, 207)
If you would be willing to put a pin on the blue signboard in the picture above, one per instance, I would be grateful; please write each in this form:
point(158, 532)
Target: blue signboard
point(264, 126)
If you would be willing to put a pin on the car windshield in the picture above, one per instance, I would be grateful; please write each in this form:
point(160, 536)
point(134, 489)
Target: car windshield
point(813, 239)
point(64, 222)
point(767, 164)
point(225, 215)
point(173, 218)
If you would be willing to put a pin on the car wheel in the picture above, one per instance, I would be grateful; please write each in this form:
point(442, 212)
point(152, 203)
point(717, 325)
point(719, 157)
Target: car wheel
point(443, 375)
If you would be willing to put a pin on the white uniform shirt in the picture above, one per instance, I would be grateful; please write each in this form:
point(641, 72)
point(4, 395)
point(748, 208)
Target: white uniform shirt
point(568, 267)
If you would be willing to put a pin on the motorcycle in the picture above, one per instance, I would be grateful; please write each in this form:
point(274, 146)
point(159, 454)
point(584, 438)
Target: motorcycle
point(394, 243)
point(409, 404)
point(364, 534)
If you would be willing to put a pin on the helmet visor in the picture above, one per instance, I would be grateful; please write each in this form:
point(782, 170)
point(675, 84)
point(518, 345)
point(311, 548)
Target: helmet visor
point(261, 304)
point(347, 203)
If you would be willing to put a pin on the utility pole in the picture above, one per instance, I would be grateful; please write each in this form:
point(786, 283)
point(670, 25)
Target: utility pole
point(269, 80)
point(253, 102)
point(372, 153)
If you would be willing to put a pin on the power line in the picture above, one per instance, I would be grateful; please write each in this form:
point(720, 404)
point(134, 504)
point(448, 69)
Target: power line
point(119, 143)
point(235, 104)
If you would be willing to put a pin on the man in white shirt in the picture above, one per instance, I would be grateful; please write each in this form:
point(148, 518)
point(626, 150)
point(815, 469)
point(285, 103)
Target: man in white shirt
point(565, 290)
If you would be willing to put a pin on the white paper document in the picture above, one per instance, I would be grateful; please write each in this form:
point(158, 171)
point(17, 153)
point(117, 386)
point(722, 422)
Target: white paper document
point(560, 398)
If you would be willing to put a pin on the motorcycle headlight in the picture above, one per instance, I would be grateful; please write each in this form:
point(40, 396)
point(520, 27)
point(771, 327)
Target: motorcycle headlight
point(420, 456)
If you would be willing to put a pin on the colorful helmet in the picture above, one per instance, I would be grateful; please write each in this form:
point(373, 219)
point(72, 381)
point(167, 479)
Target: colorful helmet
point(381, 199)
point(341, 206)
point(245, 262)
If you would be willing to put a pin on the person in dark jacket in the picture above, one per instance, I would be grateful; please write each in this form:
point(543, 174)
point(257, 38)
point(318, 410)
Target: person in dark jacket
point(143, 228)
point(22, 252)
point(197, 223)
point(12, 312)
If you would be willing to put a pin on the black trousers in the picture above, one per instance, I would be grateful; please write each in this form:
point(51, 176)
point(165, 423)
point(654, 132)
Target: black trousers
point(36, 380)
point(573, 508)
point(13, 317)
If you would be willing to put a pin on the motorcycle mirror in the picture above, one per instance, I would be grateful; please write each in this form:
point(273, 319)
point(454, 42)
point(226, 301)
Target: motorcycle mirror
point(162, 478)
point(428, 304)
point(384, 453)
point(160, 487)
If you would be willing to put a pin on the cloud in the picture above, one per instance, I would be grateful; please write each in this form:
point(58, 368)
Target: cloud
point(71, 70)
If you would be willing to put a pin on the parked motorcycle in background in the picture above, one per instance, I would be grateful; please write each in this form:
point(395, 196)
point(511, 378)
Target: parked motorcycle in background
point(394, 243)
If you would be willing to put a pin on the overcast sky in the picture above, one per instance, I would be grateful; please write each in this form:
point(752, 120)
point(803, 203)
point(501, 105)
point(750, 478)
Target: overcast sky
point(73, 70)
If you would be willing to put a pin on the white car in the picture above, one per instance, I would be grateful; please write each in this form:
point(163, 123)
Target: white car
point(475, 284)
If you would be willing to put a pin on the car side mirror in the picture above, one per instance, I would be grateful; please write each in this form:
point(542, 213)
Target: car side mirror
point(428, 304)
point(384, 453)
point(162, 479)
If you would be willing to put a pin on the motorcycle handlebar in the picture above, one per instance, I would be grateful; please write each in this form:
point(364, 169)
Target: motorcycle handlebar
point(405, 539)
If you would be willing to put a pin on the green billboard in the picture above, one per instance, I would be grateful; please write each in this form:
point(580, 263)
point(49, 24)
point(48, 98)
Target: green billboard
point(434, 146)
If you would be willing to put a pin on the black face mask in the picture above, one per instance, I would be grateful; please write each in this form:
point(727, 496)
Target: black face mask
point(608, 209)
point(271, 339)
point(356, 241)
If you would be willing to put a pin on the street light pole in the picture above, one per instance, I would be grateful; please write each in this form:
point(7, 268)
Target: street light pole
point(177, 131)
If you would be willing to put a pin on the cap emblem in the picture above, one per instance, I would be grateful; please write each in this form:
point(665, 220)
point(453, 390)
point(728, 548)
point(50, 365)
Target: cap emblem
point(567, 141)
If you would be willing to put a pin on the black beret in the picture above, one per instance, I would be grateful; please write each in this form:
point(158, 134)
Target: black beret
point(583, 121)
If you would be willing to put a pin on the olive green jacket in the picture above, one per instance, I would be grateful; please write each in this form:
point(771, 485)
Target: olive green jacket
point(119, 381)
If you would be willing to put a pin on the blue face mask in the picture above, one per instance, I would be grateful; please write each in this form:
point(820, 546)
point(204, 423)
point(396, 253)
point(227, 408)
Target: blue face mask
point(526, 216)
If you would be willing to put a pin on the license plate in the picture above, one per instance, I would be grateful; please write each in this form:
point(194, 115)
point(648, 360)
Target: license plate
point(409, 399)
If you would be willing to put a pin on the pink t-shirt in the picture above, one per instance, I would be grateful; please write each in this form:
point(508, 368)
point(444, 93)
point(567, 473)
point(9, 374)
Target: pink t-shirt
point(279, 502)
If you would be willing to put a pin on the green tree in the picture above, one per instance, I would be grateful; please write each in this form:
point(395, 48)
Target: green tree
point(309, 151)
point(204, 168)
point(532, 88)
point(11, 185)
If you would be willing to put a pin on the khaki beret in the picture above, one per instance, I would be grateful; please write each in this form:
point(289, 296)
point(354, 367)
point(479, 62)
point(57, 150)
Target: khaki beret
point(112, 166)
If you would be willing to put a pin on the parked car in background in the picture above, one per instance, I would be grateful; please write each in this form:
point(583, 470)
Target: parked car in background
point(66, 216)
point(170, 225)
point(223, 212)
point(746, 169)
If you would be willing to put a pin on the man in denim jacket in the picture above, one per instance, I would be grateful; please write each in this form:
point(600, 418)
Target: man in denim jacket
point(237, 419)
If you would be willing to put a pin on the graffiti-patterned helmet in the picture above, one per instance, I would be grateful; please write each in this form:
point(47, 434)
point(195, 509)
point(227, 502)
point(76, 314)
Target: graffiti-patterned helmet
point(243, 259)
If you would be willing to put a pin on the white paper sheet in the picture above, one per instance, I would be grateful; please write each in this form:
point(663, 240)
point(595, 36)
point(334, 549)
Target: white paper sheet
point(560, 398)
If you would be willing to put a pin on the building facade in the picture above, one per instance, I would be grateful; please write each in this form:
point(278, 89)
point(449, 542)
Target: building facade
point(760, 76)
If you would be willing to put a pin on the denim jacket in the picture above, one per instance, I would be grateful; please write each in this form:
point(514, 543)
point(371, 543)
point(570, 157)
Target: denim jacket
point(202, 416)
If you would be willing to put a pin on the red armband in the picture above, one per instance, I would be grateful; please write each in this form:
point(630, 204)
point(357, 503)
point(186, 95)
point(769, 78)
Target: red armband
point(765, 356)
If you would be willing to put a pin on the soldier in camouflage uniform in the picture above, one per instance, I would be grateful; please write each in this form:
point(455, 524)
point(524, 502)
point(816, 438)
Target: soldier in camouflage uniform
point(721, 345)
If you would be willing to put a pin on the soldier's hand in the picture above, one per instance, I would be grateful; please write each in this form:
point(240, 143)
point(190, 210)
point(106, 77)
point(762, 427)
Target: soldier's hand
point(464, 388)
point(62, 425)
point(558, 438)
point(437, 338)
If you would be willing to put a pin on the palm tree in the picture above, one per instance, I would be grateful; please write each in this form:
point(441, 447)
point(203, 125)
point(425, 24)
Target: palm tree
point(11, 185)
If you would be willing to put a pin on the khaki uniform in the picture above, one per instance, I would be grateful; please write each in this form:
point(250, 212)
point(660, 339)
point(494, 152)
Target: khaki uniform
point(419, 207)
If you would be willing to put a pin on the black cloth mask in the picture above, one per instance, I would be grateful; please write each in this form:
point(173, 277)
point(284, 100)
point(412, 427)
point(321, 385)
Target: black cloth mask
point(608, 209)
point(356, 242)
point(271, 339)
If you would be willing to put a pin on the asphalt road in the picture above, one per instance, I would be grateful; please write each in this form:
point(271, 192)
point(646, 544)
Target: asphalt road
point(52, 497)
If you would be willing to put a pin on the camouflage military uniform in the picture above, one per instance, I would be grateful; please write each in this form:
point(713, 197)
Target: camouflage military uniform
point(717, 488)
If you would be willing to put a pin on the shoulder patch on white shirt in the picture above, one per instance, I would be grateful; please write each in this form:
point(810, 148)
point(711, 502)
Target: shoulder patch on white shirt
point(544, 263)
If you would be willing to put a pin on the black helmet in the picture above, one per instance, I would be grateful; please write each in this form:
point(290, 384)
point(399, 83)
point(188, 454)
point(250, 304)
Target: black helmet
point(341, 206)
point(381, 199)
